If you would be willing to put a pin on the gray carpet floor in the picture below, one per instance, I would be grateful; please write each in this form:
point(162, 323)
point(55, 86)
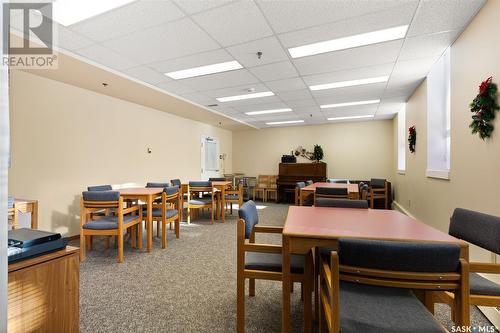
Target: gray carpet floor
point(188, 287)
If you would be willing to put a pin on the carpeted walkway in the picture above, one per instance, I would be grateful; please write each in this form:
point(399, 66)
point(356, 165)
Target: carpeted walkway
point(188, 287)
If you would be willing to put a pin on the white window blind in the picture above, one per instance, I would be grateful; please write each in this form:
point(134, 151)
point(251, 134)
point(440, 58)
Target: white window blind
point(402, 139)
point(438, 118)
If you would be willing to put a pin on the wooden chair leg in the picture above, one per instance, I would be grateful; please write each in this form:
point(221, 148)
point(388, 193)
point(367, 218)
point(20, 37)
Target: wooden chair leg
point(177, 228)
point(158, 224)
point(82, 246)
point(91, 242)
point(307, 292)
point(231, 207)
point(188, 215)
point(139, 233)
point(170, 226)
point(133, 237)
point(164, 235)
point(120, 248)
point(316, 284)
point(251, 287)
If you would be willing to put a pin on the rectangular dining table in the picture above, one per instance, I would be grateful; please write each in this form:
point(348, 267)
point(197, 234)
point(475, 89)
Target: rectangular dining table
point(308, 227)
point(352, 190)
point(147, 195)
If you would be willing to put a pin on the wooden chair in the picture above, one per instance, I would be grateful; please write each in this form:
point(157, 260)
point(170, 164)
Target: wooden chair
point(340, 203)
point(104, 212)
point(272, 187)
point(263, 261)
point(331, 193)
point(234, 196)
point(482, 230)
point(201, 195)
point(306, 201)
point(157, 200)
point(108, 225)
point(167, 212)
point(338, 181)
point(378, 190)
point(367, 285)
point(262, 183)
point(309, 182)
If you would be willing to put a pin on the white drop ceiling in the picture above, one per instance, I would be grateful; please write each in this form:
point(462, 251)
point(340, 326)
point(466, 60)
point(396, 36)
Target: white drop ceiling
point(145, 39)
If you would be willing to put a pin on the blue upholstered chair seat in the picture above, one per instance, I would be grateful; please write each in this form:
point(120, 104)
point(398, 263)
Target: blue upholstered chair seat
point(157, 212)
point(231, 197)
point(200, 201)
point(108, 222)
point(482, 286)
point(365, 308)
point(272, 262)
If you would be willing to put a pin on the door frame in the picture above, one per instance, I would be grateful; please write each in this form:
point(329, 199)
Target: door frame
point(204, 174)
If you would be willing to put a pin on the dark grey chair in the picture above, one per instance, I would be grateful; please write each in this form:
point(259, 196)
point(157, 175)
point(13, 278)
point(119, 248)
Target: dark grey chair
point(264, 261)
point(341, 203)
point(309, 182)
point(206, 200)
point(157, 185)
point(338, 181)
point(482, 230)
point(176, 182)
point(217, 179)
point(330, 192)
point(307, 201)
point(100, 188)
point(367, 285)
point(378, 190)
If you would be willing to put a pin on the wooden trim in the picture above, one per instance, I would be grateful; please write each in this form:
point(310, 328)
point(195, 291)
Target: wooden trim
point(399, 274)
point(484, 267)
point(268, 229)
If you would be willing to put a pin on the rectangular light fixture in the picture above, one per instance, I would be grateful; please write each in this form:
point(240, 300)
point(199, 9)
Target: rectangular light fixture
point(204, 70)
point(339, 105)
point(253, 113)
point(68, 12)
point(246, 96)
point(353, 117)
point(285, 122)
point(342, 84)
point(368, 38)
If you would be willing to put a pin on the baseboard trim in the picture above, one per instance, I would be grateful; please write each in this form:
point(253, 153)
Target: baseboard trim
point(74, 237)
point(403, 210)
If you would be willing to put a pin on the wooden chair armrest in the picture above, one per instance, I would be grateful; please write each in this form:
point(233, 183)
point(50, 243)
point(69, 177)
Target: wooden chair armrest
point(483, 267)
point(263, 248)
point(131, 209)
point(268, 229)
point(379, 190)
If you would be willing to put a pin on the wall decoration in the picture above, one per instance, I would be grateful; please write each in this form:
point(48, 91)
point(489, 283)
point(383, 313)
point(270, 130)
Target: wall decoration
point(317, 154)
point(483, 108)
point(412, 138)
point(301, 151)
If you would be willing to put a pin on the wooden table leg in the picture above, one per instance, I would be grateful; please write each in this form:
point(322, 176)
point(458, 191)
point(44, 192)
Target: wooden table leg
point(223, 203)
point(34, 215)
point(287, 280)
point(149, 223)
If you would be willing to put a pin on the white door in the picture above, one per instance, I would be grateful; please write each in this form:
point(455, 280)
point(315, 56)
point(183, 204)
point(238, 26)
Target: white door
point(210, 166)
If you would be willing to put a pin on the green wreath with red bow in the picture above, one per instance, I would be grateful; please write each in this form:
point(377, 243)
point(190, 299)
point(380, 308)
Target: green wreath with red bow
point(412, 138)
point(483, 108)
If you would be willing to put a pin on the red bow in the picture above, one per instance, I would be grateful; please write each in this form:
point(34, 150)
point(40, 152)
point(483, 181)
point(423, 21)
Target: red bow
point(484, 85)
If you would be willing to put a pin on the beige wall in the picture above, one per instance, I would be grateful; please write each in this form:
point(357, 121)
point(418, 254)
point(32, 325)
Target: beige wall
point(354, 150)
point(475, 164)
point(65, 138)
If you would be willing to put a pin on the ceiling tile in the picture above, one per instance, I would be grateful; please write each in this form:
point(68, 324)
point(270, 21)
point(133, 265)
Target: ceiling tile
point(396, 16)
point(294, 83)
point(106, 57)
point(294, 95)
point(70, 40)
point(350, 74)
point(127, 19)
point(246, 53)
point(389, 108)
point(293, 15)
point(253, 102)
point(410, 71)
point(350, 111)
point(373, 90)
point(174, 87)
point(302, 103)
point(260, 107)
point(442, 15)
point(427, 45)
point(220, 80)
point(236, 90)
point(146, 74)
point(167, 41)
point(370, 55)
point(199, 98)
point(276, 71)
point(190, 61)
point(196, 6)
point(235, 23)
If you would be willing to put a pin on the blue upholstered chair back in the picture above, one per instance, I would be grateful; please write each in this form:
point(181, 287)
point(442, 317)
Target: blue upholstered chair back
point(341, 203)
point(248, 212)
point(101, 195)
point(331, 191)
point(171, 190)
point(300, 185)
point(217, 179)
point(157, 185)
point(478, 228)
point(309, 182)
point(399, 256)
point(377, 183)
point(176, 182)
point(200, 183)
point(100, 188)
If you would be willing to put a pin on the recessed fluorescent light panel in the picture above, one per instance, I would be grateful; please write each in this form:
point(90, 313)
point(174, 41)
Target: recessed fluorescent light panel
point(254, 113)
point(246, 96)
point(339, 105)
point(351, 83)
point(285, 122)
point(368, 38)
point(204, 70)
point(68, 12)
point(348, 118)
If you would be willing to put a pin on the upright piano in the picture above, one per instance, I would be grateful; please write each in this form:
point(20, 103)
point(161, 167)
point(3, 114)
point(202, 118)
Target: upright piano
point(291, 173)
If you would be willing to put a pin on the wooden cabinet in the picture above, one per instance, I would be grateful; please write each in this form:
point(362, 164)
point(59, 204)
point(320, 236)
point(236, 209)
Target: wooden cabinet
point(44, 293)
